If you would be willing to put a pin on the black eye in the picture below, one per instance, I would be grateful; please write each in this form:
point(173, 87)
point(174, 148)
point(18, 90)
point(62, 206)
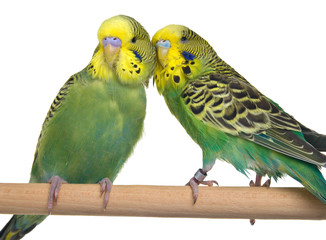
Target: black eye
point(133, 40)
point(183, 39)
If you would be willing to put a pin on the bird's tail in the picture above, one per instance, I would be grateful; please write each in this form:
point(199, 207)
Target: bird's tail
point(308, 175)
point(315, 139)
point(19, 225)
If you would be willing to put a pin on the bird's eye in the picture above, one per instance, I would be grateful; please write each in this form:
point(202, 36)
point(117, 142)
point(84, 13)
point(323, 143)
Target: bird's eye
point(183, 39)
point(133, 40)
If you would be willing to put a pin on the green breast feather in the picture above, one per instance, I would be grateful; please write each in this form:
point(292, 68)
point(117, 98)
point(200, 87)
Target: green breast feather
point(88, 134)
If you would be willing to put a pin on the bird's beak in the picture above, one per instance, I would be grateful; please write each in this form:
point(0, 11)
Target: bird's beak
point(163, 47)
point(112, 47)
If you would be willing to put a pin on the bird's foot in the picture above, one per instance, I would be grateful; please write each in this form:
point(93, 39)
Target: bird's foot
point(257, 183)
point(56, 183)
point(197, 179)
point(106, 186)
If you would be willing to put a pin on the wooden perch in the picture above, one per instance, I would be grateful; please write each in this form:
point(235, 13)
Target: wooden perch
point(164, 201)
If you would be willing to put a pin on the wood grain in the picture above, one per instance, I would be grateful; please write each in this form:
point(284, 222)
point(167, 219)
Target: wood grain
point(164, 201)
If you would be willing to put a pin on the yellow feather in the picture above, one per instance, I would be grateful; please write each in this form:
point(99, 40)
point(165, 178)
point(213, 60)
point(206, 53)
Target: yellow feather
point(11, 234)
point(127, 67)
point(117, 26)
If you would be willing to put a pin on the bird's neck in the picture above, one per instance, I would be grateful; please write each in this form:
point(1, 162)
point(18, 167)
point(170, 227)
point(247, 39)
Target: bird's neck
point(214, 64)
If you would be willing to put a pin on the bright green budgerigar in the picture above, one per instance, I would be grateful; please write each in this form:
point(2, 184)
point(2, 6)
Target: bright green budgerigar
point(96, 119)
point(229, 118)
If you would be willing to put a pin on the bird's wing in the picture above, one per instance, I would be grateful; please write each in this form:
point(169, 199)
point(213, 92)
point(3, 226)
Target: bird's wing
point(236, 107)
point(55, 106)
point(59, 99)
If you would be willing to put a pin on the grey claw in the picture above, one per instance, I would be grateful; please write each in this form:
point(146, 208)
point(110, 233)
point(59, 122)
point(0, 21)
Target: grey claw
point(194, 187)
point(106, 186)
point(257, 183)
point(56, 183)
point(194, 183)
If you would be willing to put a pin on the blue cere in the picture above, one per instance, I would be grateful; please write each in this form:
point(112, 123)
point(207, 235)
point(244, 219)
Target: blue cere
point(163, 43)
point(113, 41)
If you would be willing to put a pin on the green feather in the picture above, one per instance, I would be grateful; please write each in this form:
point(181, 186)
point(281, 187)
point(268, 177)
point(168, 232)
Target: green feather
point(230, 119)
point(91, 135)
point(93, 123)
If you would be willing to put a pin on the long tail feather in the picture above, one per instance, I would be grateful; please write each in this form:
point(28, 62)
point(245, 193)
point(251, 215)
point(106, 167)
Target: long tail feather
point(308, 175)
point(19, 225)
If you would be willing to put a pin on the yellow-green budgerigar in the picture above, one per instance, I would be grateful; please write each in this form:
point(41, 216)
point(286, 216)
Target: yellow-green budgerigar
point(229, 118)
point(96, 119)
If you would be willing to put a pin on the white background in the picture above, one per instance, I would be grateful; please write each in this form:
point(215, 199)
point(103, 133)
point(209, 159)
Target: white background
point(278, 46)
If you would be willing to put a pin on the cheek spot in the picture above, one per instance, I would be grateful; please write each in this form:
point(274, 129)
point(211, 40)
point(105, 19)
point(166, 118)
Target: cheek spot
point(186, 70)
point(176, 78)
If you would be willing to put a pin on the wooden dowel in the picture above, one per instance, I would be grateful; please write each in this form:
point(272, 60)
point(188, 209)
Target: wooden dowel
point(164, 201)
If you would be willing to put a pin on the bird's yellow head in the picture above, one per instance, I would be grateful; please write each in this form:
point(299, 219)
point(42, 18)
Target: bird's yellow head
point(182, 55)
point(124, 51)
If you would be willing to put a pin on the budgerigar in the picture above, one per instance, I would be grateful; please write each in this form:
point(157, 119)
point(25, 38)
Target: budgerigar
point(229, 118)
point(96, 119)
